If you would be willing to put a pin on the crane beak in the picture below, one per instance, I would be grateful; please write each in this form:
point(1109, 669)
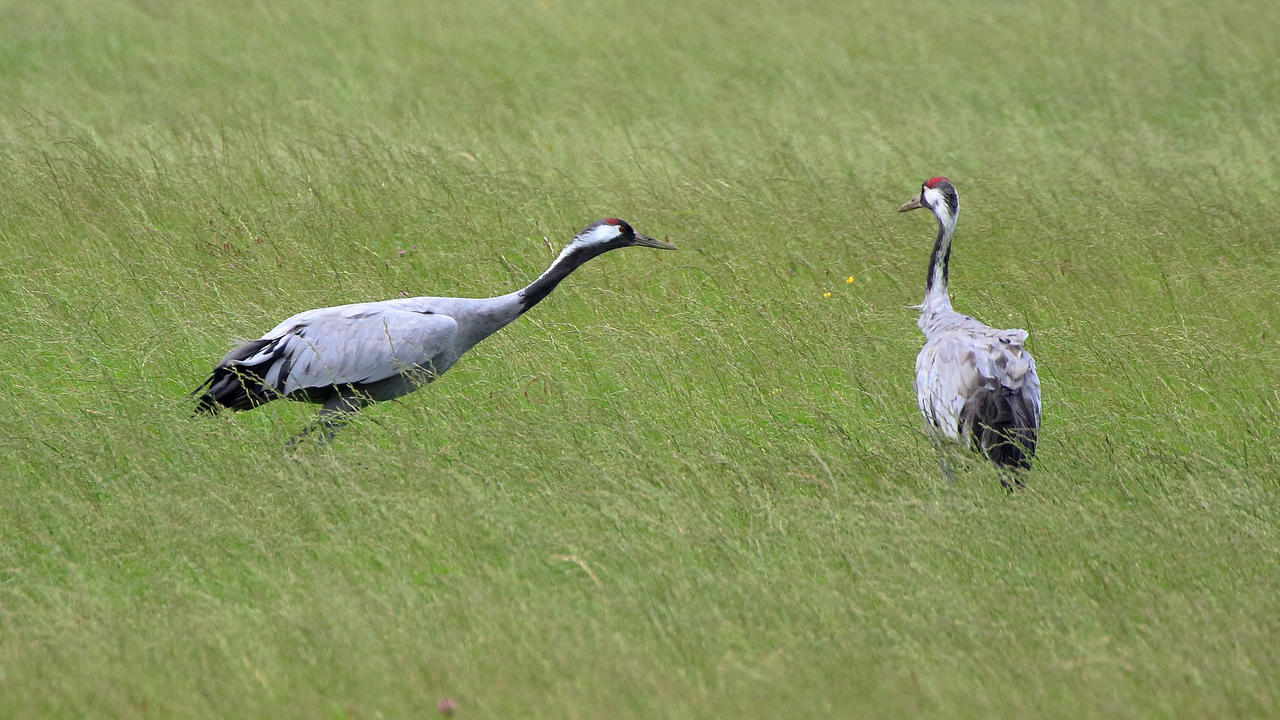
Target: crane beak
point(912, 204)
point(646, 241)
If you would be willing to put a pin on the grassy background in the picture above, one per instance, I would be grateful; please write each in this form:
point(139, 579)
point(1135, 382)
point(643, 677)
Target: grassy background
point(688, 484)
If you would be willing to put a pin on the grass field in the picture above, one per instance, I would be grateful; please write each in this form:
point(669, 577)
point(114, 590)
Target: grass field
point(688, 484)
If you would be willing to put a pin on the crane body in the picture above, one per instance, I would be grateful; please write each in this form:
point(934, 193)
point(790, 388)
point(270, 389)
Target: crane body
point(348, 356)
point(976, 386)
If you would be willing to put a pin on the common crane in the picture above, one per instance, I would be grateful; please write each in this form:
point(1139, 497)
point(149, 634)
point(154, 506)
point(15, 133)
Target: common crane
point(345, 357)
point(975, 385)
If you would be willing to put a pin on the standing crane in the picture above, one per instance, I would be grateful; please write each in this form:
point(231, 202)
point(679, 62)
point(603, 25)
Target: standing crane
point(345, 357)
point(975, 385)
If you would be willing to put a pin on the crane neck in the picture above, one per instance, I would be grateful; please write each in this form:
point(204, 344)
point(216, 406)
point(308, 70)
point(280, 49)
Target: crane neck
point(936, 299)
point(574, 255)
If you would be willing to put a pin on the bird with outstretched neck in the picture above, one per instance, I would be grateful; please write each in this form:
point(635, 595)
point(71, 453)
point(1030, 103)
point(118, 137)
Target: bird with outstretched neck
point(345, 357)
point(976, 386)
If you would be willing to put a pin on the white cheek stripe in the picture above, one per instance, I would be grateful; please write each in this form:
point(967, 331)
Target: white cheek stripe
point(938, 202)
point(601, 233)
point(598, 235)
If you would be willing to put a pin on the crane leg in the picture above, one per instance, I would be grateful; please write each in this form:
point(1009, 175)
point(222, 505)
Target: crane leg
point(1010, 479)
point(948, 474)
point(336, 412)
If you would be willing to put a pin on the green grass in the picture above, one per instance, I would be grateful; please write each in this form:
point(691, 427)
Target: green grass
point(686, 485)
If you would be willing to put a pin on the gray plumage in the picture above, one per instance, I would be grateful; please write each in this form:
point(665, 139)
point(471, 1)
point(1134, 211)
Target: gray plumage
point(975, 385)
point(347, 356)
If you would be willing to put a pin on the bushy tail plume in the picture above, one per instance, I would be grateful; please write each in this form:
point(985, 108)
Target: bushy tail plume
point(235, 386)
point(1002, 425)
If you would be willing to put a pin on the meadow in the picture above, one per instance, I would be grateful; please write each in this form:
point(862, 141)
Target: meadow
point(689, 484)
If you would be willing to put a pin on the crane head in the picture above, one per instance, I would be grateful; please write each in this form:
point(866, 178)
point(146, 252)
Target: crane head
point(938, 195)
point(611, 233)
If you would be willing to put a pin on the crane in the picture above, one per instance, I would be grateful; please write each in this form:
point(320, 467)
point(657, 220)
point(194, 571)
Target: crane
point(346, 357)
point(976, 386)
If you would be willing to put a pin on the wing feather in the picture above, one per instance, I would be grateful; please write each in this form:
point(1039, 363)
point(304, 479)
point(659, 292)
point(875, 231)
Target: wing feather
point(341, 348)
point(957, 365)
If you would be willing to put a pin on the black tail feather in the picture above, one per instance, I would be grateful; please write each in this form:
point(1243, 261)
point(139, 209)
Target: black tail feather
point(1002, 425)
point(235, 386)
